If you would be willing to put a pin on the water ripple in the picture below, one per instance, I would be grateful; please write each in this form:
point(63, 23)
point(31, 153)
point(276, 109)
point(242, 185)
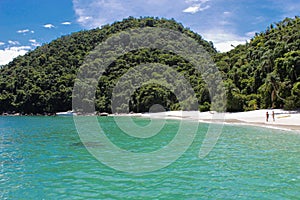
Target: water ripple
point(43, 158)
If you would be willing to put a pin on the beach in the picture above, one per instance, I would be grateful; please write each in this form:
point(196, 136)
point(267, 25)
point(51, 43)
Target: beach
point(285, 120)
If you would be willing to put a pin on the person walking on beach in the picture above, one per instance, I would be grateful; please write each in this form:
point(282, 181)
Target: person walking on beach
point(273, 116)
point(267, 116)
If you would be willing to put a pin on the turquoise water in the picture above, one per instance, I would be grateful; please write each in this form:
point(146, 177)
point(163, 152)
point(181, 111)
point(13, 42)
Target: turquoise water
point(43, 158)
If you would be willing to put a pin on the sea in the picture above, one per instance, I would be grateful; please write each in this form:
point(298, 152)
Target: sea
point(45, 158)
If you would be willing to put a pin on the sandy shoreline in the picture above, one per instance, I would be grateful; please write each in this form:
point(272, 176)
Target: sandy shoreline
point(284, 120)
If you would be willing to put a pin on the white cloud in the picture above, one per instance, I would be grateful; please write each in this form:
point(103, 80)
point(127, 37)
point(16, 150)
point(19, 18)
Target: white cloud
point(197, 1)
point(224, 41)
point(23, 31)
point(226, 13)
point(8, 54)
point(49, 26)
point(251, 33)
point(13, 42)
point(195, 8)
point(192, 9)
point(227, 45)
point(66, 23)
point(95, 13)
point(2, 43)
point(34, 43)
point(83, 17)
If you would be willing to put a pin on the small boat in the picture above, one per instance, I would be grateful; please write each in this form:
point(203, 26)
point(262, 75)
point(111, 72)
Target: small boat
point(103, 114)
point(68, 113)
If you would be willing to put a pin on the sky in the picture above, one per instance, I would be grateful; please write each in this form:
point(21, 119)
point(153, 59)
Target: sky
point(27, 24)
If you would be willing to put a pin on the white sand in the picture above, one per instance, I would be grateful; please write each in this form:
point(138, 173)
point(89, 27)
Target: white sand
point(286, 120)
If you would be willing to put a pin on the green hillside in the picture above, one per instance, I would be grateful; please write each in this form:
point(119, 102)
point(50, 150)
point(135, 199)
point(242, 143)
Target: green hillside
point(261, 74)
point(42, 80)
point(264, 73)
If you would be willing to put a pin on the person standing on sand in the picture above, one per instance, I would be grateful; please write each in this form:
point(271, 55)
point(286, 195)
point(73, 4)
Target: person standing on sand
point(273, 116)
point(267, 116)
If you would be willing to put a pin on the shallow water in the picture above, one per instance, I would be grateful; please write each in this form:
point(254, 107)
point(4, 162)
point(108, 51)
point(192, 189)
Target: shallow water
point(43, 158)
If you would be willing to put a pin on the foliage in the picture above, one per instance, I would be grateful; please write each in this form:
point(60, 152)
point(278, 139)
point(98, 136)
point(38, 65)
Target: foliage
point(43, 79)
point(263, 72)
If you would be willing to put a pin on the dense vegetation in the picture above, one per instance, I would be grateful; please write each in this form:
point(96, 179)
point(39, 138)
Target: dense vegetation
point(261, 74)
point(264, 73)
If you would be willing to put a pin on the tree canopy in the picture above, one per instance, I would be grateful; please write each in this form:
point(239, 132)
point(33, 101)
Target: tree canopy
point(265, 71)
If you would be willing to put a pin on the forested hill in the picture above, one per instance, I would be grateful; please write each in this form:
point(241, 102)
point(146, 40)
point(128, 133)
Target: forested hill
point(261, 74)
point(42, 80)
point(264, 73)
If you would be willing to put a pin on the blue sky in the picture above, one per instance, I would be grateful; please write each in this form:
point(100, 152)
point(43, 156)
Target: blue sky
point(26, 24)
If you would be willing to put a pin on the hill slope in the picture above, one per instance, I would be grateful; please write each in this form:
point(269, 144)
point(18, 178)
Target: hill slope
point(42, 80)
point(264, 73)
